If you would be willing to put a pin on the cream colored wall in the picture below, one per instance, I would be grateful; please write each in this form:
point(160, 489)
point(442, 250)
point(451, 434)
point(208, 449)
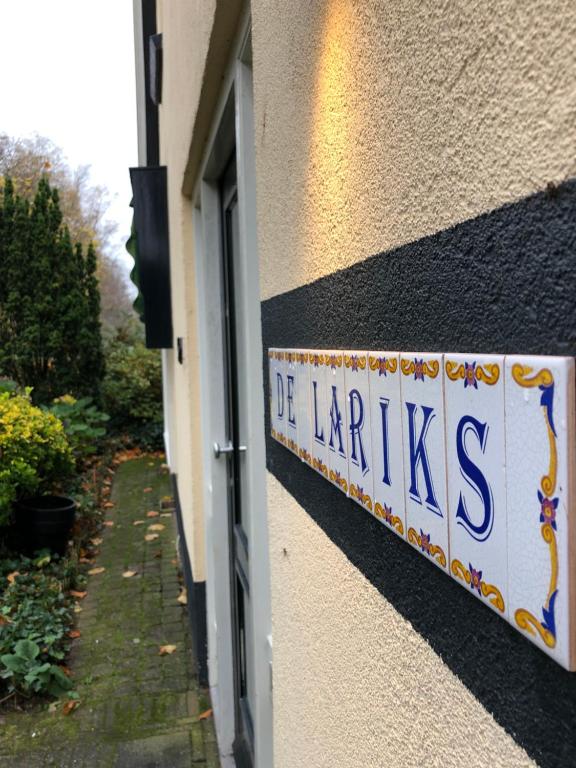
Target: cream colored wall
point(354, 685)
point(185, 28)
point(380, 122)
point(376, 124)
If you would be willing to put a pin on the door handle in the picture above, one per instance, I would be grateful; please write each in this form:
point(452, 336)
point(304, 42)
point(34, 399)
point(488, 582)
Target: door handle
point(220, 450)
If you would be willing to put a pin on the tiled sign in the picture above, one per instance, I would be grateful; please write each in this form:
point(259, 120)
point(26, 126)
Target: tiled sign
point(467, 457)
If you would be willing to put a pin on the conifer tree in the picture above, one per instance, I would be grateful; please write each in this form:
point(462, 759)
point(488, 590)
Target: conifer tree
point(49, 302)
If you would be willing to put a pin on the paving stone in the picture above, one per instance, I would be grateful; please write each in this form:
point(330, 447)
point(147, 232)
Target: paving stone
point(136, 708)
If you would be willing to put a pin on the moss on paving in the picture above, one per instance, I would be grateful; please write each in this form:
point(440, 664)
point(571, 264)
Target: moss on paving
point(133, 702)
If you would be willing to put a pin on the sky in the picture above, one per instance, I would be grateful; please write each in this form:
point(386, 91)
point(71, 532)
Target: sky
point(68, 73)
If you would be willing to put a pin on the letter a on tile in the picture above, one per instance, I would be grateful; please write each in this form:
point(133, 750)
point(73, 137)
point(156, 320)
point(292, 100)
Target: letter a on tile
point(337, 418)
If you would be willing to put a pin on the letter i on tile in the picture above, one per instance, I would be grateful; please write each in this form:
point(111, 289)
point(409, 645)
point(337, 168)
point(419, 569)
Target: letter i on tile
point(318, 411)
point(337, 420)
point(291, 396)
point(540, 434)
point(303, 405)
point(359, 433)
point(424, 455)
point(475, 456)
point(386, 423)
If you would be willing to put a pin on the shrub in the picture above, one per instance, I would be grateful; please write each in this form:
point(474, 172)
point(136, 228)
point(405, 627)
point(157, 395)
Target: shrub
point(132, 389)
point(34, 451)
point(83, 424)
point(35, 617)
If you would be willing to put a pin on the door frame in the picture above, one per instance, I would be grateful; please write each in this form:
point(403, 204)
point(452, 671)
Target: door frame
point(233, 125)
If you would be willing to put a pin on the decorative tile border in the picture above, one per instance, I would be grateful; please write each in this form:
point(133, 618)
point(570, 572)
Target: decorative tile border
point(443, 450)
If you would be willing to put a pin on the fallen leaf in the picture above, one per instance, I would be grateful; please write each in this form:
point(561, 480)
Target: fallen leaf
point(4, 620)
point(147, 490)
point(85, 560)
point(54, 707)
point(150, 463)
point(129, 574)
point(78, 595)
point(96, 542)
point(108, 504)
point(151, 536)
point(109, 523)
point(96, 571)
point(110, 470)
point(182, 597)
point(158, 554)
point(70, 706)
point(74, 634)
point(152, 513)
point(12, 576)
point(156, 527)
point(174, 562)
point(138, 522)
point(77, 609)
point(165, 650)
point(205, 715)
point(166, 514)
point(106, 482)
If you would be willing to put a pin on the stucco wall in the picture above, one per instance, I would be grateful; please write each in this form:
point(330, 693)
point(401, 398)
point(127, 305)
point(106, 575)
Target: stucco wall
point(378, 124)
point(185, 27)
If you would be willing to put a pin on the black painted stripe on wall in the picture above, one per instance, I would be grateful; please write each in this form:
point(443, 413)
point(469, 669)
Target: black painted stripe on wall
point(504, 282)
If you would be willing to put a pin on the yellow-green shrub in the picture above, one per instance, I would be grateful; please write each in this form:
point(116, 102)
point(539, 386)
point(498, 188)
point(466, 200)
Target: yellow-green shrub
point(34, 451)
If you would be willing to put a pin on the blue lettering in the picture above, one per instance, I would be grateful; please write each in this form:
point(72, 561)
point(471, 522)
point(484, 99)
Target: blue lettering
point(356, 424)
point(280, 398)
point(336, 424)
point(318, 433)
point(475, 480)
point(290, 398)
point(419, 457)
point(384, 403)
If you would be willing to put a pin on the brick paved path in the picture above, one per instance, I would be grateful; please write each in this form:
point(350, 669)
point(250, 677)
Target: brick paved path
point(138, 709)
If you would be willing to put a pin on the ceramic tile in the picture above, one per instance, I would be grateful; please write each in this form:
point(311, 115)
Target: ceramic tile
point(337, 420)
point(475, 459)
point(318, 412)
point(303, 405)
point(539, 457)
point(387, 456)
point(290, 394)
point(276, 394)
point(424, 455)
point(358, 433)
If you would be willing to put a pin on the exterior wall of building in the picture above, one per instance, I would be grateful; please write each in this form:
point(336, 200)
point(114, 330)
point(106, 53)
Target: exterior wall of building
point(382, 130)
point(186, 31)
point(415, 190)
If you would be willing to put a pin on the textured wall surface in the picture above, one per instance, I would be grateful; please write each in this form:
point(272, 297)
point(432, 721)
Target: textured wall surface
point(354, 685)
point(390, 129)
point(185, 29)
point(378, 123)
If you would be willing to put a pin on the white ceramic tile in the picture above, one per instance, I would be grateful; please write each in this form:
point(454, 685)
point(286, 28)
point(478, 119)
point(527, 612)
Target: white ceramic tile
point(277, 383)
point(475, 458)
point(318, 411)
point(539, 460)
point(359, 436)
point(290, 394)
point(424, 455)
point(303, 405)
point(337, 420)
point(386, 425)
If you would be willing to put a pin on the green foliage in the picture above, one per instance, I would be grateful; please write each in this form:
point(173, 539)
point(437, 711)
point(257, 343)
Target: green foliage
point(49, 303)
point(83, 424)
point(35, 617)
point(132, 389)
point(34, 451)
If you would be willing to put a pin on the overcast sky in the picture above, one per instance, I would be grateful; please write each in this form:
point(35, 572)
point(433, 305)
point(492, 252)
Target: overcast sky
point(68, 73)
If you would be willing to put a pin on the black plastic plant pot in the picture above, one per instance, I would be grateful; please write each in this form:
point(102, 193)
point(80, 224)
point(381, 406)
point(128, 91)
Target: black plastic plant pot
point(45, 522)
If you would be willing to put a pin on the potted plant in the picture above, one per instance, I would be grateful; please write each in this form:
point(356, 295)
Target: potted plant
point(35, 458)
